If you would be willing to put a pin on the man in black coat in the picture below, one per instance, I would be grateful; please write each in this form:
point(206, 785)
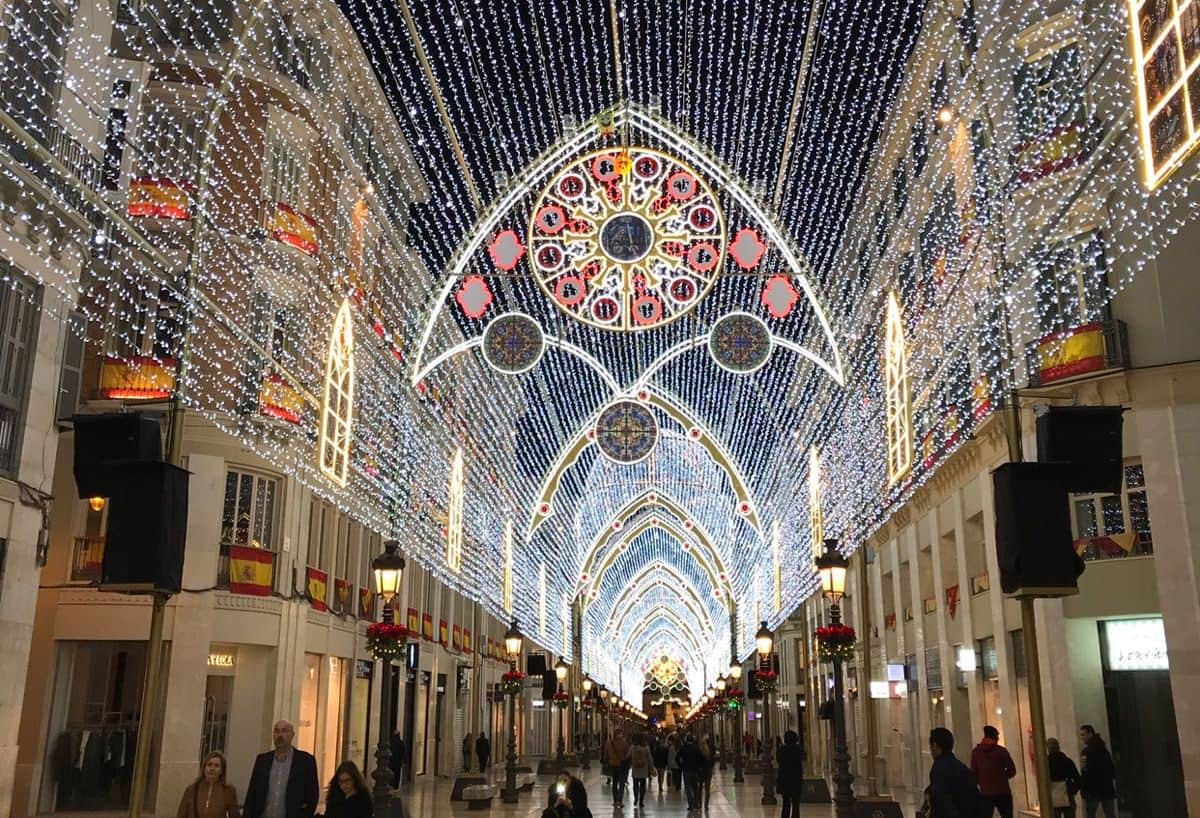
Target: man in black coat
point(1097, 774)
point(483, 749)
point(284, 781)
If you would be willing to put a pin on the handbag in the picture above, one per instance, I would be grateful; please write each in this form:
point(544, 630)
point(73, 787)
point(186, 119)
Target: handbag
point(1059, 795)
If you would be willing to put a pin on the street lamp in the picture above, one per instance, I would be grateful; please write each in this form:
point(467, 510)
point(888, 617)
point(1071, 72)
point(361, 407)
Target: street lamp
point(561, 669)
point(735, 676)
point(513, 641)
point(587, 722)
point(764, 642)
point(720, 685)
point(388, 569)
point(831, 566)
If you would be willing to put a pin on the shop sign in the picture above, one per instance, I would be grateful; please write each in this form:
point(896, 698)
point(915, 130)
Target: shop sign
point(1136, 644)
point(221, 660)
point(363, 668)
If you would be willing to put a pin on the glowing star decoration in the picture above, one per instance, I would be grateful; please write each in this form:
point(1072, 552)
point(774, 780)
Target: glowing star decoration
point(506, 582)
point(1166, 60)
point(506, 250)
point(626, 250)
point(747, 249)
point(337, 408)
point(816, 519)
point(779, 296)
point(474, 296)
point(454, 512)
point(898, 420)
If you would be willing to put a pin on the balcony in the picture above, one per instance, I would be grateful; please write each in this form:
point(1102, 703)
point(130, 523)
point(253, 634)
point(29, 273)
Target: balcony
point(86, 169)
point(245, 570)
point(1084, 350)
point(280, 400)
point(136, 377)
point(287, 225)
point(1063, 147)
point(86, 556)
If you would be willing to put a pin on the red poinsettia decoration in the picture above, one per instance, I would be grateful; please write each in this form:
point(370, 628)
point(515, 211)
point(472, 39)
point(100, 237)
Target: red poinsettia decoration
point(512, 682)
point(836, 642)
point(561, 699)
point(386, 641)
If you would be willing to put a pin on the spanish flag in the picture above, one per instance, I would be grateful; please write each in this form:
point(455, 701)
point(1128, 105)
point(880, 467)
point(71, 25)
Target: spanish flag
point(1071, 353)
point(159, 198)
point(414, 622)
point(466, 643)
point(456, 638)
point(291, 227)
point(250, 570)
point(341, 591)
point(427, 627)
point(318, 584)
point(366, 601)
point(443, 633)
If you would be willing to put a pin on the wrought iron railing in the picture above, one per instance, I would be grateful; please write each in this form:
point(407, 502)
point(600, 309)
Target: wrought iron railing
point(87, 554)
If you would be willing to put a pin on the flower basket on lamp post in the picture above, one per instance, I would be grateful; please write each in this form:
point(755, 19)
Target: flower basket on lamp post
point(386, 641)
point(767, 680)
point(562, 699)
point(836, 642)
point(512, 683)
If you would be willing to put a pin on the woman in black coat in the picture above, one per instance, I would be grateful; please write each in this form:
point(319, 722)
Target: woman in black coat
point(790, 774)
point(348, 796)
point(1064, 780)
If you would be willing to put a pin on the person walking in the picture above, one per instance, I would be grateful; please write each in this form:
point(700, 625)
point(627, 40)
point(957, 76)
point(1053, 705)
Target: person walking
point(691, 764)
point(567, 799)
point(789, 776)
point(993, 766)
point(951, 793)
point(283, 783)
point(396, 762)
point(1064, 780)
point(468, 750)
point(616, 758)
point(347, 795)
point(483, 749)
point(640, 764)
point(674, 746)
point(660, 753)
point(209, 796)
point(706, 771)
point(1097, 774)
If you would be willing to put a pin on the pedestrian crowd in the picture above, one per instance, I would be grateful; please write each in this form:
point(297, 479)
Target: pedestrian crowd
point(982, 790)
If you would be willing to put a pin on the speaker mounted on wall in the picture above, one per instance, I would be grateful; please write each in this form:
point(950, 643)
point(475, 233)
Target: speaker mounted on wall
point(1034, 547)
point(1088, 439)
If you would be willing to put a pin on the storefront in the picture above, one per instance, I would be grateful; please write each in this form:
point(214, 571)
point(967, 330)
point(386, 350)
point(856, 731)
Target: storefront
point(323, 711)
point(93, 728)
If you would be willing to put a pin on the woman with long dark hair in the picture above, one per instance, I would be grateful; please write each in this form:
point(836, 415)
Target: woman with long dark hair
point(209, 796)
point(347, 796)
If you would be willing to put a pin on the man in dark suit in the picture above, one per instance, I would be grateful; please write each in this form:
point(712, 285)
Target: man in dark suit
point(284, 781)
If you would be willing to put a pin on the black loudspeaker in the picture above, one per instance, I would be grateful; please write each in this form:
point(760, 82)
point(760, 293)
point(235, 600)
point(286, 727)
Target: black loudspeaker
point(535, 664)
point(147, 528)
point(105, 442)
point(1033, 530)
point(549, 684)
point(1089, 439)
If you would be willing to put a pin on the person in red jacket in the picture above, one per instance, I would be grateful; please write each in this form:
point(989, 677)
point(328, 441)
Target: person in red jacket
point(993, 767)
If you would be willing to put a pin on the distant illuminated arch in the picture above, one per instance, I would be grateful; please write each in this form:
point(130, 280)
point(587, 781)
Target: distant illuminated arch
point(646, 580)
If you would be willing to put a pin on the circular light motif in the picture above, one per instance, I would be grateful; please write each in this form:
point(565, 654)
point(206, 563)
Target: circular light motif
point(740, 343)
point(637, 235)
point(626, 432)
point(513, 343)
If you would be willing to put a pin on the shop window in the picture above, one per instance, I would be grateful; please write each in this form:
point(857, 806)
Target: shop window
point(1114, 525)
point(1071, 283)
point(20, 308)
point(1050, 112)
point(31, 70)
point(249, 514)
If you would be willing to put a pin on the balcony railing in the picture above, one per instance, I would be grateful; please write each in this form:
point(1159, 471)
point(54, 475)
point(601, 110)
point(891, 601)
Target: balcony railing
point(86, 557)
point(1114, 547)
point(78, 162)
point(1100, 346)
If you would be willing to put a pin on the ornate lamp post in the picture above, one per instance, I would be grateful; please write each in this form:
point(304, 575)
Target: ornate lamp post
point(735, 678)
point(603, 718)
point(388, 569)
point(587, 723)
point(720, 685)
point(764, 641)
point(832, 568)
point(561, 669)
point(513, 641)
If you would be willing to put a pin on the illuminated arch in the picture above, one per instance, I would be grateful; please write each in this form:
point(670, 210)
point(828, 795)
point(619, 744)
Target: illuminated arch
point(653, 619)
point(898, 418)
point(647, 580)
point(337, 408)
point(531, 179)
point(698, 432)
point(816, 516)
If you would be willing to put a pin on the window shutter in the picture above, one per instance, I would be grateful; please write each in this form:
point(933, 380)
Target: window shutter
point(72, 366)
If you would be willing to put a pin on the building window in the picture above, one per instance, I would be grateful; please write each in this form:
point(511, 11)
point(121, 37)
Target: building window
point(31, 71)
point(287, 172)
point(168, 144)
point(895, 373)
point(1071, 283)
point(1114, 525)
point(20, 307)
point(967, 31)
point(249, 516)
point(337, 409)
point(321, 516)
point(1050, 112)
point(1166, 45)
point(881, 230)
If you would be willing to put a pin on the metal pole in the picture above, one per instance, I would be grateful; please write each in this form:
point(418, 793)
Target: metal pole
point(869, 704)
point(768, 763)
point(723, 731)
point(382, 793)
point(510, 760)
point(738, 761)
point(584, 763)
point(562, 733)
point(843, 797)
point(149, 721)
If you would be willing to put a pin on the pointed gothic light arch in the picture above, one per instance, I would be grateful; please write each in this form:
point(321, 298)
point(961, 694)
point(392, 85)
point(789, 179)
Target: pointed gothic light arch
point(898, 418)
point(337, 408)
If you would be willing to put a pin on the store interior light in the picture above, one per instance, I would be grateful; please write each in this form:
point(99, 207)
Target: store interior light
point(966, 660)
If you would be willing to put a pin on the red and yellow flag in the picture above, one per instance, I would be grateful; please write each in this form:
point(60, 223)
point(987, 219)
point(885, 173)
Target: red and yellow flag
point(427, 627)
point(466, 643)
point(443, 633)
point(318, 588)
point(293, 228)
point(1075, 352)
point(414, 621)
point(366, 601)
point(159, 198)
point(251, 570)
point(456, 638)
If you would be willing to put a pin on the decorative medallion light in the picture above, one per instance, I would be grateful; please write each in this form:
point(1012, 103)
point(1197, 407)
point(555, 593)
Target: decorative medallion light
point(513, 343)
point(740, 343)
point(627, 240)
point(337, 410)
point(626, 432)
